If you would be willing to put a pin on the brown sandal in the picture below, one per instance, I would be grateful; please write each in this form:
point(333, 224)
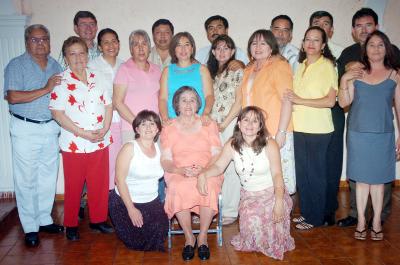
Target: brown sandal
point(376, 236)
point(360, 235)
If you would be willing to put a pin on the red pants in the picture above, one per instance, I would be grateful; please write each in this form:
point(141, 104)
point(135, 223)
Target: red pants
point(92, 167)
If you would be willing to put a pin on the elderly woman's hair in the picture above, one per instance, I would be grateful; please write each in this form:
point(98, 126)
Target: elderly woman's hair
point(104, 32)
point(147, 115)
point(389, 60)
point(139, 32)
point(177, 97)
point(269, 38)
point(28, 31)
point(261, 138)
point(212, 62)
point(174, 43)
point(326, 52)
point(71, 41)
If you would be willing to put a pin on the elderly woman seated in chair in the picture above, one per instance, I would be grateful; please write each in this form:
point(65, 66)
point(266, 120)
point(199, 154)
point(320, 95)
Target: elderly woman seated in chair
point(188, 146)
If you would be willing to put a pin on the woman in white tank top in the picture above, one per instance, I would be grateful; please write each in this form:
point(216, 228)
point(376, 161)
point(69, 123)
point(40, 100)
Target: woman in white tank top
point(265, 204)
point(135, 210)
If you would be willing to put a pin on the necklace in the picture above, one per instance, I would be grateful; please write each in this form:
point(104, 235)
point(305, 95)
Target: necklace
point(250, 169)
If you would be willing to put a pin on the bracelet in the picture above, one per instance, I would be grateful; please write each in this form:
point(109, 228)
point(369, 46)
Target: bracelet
point(343, 88)
point(282, 131)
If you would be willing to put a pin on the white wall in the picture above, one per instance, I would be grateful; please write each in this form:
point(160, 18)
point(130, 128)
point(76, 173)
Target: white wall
point(244, 16)
point(186, 15)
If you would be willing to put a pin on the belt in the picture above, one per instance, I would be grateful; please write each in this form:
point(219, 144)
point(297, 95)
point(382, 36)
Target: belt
point(29, 120)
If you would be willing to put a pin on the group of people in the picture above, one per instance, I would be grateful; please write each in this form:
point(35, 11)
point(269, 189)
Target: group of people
point(163, 133)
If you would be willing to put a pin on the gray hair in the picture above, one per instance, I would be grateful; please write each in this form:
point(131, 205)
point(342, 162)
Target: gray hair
point(28, 31)
point(139, 32)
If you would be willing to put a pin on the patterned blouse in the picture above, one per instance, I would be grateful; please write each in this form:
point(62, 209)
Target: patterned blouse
point(225, 86)
point(85, 105)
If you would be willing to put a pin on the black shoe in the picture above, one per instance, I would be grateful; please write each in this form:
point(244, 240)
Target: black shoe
point(188, 251)
point(329, 220)
point(81, 213)
point(72, 233)
point(32, 239)
point(348, 221)
point(204, 252)
point(102, 227)
point(51, 229)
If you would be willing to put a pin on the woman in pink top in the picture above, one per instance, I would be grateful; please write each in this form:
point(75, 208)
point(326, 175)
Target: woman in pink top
point(137, 83)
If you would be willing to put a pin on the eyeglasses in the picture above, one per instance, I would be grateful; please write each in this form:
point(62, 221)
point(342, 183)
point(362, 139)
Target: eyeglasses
point(39, 40)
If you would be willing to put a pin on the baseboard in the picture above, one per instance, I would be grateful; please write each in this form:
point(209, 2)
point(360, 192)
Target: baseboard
point(7, 195)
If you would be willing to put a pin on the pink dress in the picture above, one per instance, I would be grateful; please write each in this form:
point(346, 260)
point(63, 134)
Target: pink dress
point(188, 149)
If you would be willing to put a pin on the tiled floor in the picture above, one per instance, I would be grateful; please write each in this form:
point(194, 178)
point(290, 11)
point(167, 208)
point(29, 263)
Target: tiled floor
point(332, 245)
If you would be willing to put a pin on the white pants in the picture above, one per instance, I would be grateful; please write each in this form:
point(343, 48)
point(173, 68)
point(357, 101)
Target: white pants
point(35, 156)
point(231, 185)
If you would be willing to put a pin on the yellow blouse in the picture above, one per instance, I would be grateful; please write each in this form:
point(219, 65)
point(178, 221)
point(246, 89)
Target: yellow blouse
point(314, 81)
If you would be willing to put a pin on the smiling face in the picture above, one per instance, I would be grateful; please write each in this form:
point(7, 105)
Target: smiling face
point(76, 57)
point(140, 49)
point(363, 26)
point(312, 43)
point(109, 45)
point(216, 28)
point(187, 104)
point(222, 52)
point(162, 36)
point(259, 48)
point(86, 29)
point(147, 129)
point(183, 49)
point(250, 124)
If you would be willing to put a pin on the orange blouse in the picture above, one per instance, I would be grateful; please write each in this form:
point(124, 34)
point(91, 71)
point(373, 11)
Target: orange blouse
point(267, 90)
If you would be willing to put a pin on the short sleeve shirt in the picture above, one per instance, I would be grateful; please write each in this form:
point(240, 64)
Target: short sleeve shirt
point(24, 74)
point(142, 88)
point(311, 82)
point(85, 105)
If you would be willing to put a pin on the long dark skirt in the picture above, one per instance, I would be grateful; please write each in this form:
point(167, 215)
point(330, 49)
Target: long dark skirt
point(151, 236)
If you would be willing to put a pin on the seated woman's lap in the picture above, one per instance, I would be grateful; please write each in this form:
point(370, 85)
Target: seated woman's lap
point(182, 194)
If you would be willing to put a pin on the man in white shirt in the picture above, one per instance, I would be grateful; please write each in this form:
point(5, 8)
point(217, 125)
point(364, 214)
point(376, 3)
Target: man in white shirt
point(215, 26)
point(282, 28)
point(162, 30)
point(324, 20)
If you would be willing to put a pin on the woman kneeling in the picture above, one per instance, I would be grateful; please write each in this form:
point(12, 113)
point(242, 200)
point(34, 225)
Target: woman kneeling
point(135, 210)
point(265, 205)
